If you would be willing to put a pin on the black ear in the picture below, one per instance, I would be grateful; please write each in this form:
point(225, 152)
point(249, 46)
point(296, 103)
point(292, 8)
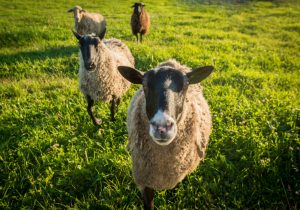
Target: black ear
point(71, 10)
point(77, 35)
point(132, 75)
point(101, 36)
point(199, 74)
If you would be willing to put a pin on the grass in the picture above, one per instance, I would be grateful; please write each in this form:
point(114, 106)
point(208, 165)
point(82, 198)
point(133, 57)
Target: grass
point(52, 157)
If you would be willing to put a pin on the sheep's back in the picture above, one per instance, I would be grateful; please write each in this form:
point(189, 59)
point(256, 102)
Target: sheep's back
point(145, 22)
point(91, 23)
point(120, 51)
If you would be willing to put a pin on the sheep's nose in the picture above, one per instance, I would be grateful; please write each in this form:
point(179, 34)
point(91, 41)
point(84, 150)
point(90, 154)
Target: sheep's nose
point(162, 129)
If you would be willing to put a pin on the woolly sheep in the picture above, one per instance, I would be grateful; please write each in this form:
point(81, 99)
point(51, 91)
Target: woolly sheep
point(168, 123)
point(99, 78)
point(88, 23)
point(140, 21)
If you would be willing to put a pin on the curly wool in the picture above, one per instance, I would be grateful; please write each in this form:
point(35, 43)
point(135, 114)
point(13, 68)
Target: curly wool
point(163, 167)
point(91, 23)
point(88, 23)
point(105, 81)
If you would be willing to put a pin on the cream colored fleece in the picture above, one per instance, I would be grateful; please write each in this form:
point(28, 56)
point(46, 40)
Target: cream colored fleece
point(163, 167)
point(90, 23)
point(105, 81)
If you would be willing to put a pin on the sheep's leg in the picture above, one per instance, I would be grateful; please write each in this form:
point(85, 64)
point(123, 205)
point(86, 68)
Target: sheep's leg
point(141, 39)
point(90, 105)
point(112, 108)
point(118, 100)
point(148, 196)
point(137, 38)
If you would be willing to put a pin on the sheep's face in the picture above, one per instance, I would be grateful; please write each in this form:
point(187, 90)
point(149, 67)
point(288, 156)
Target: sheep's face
point(138, 7)
point(77, 10)
point(88, 48)
point(165, 91)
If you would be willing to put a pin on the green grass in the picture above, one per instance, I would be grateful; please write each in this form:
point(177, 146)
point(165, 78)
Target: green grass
point(52, 157)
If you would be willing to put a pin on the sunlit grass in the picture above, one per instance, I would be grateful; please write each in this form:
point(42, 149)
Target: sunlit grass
point(51, 156)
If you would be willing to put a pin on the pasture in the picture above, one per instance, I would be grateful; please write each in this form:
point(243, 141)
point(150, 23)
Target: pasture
point(53, 157)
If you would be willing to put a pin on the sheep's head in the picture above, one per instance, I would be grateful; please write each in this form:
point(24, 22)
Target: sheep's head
point(165, 91)
point(77, 10)
point(138, 7)
point(88, 48)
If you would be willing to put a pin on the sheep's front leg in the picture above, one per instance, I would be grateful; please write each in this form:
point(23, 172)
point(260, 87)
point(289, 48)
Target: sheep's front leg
point(137, 37)
point(114, 107)
point(148, 197)
point(141, 39)
point(90, 105)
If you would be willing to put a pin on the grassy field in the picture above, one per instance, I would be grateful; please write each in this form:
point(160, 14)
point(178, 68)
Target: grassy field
point(52, 157)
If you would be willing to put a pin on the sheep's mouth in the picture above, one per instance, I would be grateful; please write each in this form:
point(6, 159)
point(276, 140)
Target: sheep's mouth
point(163, 139)
point(163, 142)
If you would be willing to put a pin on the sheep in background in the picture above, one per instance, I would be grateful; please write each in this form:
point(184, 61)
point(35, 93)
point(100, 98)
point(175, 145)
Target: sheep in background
point(98, 73)
point(140, 21)
point(88, 23)
point(168, 123)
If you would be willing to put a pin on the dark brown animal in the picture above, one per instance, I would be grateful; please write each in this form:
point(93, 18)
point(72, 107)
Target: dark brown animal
point(140, 21)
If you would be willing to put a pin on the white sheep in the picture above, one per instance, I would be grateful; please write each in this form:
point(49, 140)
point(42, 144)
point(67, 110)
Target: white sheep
point(88, 23)
point(99, 78)
point(168, 123)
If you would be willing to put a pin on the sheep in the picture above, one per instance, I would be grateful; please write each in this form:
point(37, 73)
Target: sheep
point(168, 124)
point(140, 21)
point(88, 23)
point(99, 78)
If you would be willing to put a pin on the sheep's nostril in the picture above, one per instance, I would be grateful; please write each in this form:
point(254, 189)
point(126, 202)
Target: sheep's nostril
point(161, 129)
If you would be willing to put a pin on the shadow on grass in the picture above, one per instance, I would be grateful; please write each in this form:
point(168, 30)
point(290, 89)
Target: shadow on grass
point(15, 128)
point(41, 61)
point(232, 176)
point(52, 52)
point(21, 38)
point(99, 177)
point(238, 180)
